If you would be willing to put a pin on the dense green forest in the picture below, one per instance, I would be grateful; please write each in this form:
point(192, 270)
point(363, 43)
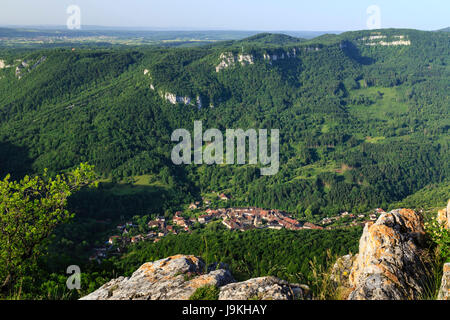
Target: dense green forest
point(363, 119)
point(360, 125)
point(285, 254)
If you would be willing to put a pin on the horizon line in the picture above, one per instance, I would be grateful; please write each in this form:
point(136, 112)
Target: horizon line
point(145, 28)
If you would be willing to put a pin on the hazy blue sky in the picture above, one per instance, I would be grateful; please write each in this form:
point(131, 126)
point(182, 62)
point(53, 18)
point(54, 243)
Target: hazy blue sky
point(231, 14)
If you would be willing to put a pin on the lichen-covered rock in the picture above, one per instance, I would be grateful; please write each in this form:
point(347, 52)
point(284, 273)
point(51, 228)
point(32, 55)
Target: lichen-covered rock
point(178, 277)
point(172, 278)
point(443, 216)
point(444, 292)
point(389, 265)
point(264, 288)
point(340, 273)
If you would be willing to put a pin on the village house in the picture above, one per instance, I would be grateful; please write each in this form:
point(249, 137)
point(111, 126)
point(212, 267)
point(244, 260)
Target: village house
point(137, 238)
point(192, 220)
point(290, 220)
point(171, 230)
point(229, 224)
point(153, 224)
point(150, 235)
point(193, 206)
point(274, 225)
point(178, 220)
point(309, 225)
point(257, 221)
point(204, 218)
point(326, 220)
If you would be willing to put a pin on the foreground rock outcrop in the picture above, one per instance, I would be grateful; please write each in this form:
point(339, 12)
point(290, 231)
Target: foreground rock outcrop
point(264, 288)
point(178, 277)
point(393, 261)
point(390, 264)
point(444, 292)
point(444, 216)
point(173, 278)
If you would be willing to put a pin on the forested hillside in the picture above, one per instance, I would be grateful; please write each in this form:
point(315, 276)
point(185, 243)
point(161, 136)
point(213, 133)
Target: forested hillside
point(363, 116)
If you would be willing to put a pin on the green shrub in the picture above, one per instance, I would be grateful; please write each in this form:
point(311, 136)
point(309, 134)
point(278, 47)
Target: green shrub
point(208, 292)
point(441, 236)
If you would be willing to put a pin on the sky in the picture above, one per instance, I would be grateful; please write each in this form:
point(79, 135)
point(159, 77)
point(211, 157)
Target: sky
point(264, 15)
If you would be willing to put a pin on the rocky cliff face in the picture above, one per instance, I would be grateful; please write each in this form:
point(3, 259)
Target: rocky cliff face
point(389, 265)
point(178, 277)
point(381, 40)
point(228, 59)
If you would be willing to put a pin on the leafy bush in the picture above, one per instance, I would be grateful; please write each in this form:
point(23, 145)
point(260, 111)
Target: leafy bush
point(208, 292)
point(441, 236)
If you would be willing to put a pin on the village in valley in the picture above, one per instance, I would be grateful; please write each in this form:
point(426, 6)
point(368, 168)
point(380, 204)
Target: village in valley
point(233, 218)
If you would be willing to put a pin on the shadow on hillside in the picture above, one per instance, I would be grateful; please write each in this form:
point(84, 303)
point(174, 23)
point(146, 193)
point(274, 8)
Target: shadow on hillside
point(353, 53)
point(117, 201)
point(14, 160)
